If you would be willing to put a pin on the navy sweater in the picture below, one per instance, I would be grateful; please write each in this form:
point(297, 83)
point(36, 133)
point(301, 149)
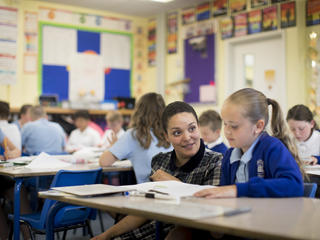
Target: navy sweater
point(220, 148)
point(273, 172)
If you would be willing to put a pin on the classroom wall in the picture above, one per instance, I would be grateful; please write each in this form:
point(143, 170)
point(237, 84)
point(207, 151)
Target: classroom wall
point(26, 88)
point(296, 47)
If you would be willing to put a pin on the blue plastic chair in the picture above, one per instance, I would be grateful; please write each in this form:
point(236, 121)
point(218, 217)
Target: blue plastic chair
point(309, 190)
point(70, 216)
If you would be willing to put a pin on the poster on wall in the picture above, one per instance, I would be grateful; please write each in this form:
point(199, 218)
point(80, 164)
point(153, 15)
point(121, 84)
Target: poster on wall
point(288, 14)
point(254, 21)
point(188, 16)
point(172, 22)
point(240, 25)
point(313, 12)
point(203, 11)
point(220, 7)
point(90, 66)
point(270, 20)
point(237, 5)
point(8, 45)
point(152, 42)
point(226, 27)
point(258, 3)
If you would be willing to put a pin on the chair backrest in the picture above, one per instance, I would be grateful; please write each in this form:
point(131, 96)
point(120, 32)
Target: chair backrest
point(70, 178)
point(309, 190)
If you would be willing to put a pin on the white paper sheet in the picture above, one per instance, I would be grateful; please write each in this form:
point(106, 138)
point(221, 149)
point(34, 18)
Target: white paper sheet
point(115, 50)
point(86, 78)
point(58, 45)
point(44, 160)
point(173, 188)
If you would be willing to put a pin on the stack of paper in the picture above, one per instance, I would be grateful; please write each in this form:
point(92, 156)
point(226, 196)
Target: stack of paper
point(44, 160)
point(172, 188)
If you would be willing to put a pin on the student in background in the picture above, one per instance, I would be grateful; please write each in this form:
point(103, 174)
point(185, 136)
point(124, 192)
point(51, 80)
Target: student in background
point(143, 140)
point(7, 185)
point(24, 116)
point(10, 130)
point(41, 135)
point(189, 162)
point(257, 165)
point(305, 130)
point(210, 128)
point(114, 123)
point(83, 136)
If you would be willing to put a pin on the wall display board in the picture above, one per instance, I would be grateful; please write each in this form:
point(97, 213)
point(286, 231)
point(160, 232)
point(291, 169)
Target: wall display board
point(8, 45)
point(84, 64)
point(200, 69)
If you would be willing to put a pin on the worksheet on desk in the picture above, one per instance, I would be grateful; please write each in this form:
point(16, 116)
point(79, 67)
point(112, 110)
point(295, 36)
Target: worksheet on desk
point(173, 188)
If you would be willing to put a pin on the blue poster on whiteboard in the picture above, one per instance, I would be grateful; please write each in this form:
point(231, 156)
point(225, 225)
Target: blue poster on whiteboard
point(85, 65)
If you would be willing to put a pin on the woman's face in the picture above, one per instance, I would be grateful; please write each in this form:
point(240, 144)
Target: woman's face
point(184, 135)
point(301, 129)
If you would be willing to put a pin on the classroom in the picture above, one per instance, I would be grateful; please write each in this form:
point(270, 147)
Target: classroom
point(126, 94)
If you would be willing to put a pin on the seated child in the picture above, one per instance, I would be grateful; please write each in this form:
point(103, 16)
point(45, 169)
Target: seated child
point(257, 164)
point(41, 135)
point(114, 123)
point(24, 116)
point(305, 130)
point(7, 186)
point(10, 130)
point(210, 127)
point(83, 136)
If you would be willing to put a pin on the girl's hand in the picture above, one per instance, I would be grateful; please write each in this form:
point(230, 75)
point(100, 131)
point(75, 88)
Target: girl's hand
point(113, 139)
point(218, 192)
point(9, 154)
point(161, 175)
point(313, 161)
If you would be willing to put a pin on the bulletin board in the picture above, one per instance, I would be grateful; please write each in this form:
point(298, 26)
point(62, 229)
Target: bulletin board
point(200, 69)
point(80, 63)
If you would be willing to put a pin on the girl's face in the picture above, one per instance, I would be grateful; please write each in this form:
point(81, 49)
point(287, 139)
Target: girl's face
point(301, 129)
point(184, 135)
point(239, 131)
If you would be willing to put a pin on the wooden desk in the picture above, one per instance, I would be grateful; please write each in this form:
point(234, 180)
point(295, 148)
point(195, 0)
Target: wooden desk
point(286, 218)
point(19, 173)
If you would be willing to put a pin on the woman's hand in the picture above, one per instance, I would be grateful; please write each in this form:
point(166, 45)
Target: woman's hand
point(161, 175)
point(218, 192)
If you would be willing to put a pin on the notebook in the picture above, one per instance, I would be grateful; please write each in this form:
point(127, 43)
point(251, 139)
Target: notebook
point(93, 189)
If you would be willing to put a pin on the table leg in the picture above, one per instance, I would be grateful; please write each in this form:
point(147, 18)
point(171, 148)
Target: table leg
point(16, 220)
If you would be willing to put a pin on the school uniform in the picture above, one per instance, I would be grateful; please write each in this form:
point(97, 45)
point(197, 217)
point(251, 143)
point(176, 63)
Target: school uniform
point(267, 169)
point(217, 146)
point(79, 139)
point(17, 123)
point(203, 169)
point(12, 132)
point(5, 181)
point(43, 136)
point(311, 147)
point(108, 136)
point(128, 147)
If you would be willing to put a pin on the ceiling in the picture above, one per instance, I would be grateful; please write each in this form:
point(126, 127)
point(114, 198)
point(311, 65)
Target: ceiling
point(140, 8)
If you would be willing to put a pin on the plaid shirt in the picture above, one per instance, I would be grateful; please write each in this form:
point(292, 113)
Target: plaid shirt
point(203, 169)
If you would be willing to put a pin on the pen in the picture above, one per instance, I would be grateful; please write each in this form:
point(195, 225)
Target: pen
point(150, 195)
point(237, 211)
